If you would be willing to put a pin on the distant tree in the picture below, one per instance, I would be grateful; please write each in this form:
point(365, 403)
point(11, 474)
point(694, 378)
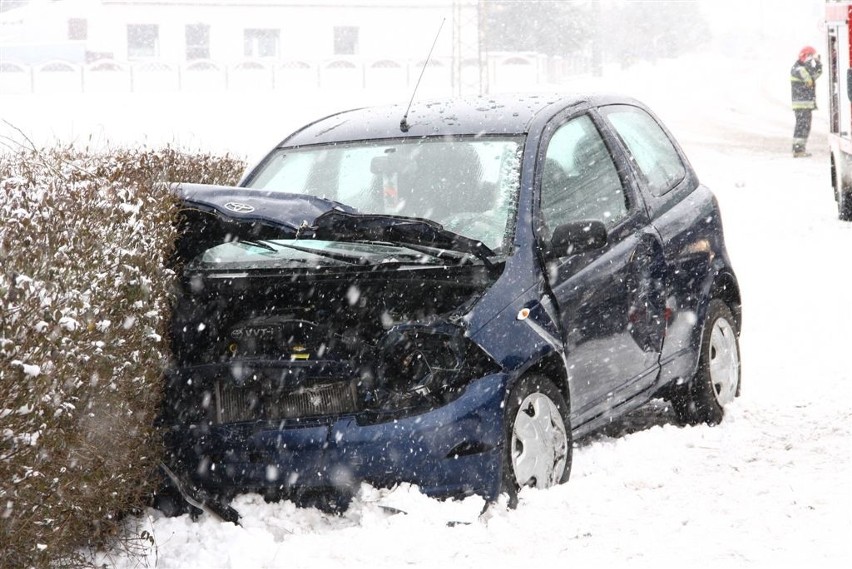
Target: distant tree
point(623, 31)
point(544, 26)
point(11, 4)
point(634, 30)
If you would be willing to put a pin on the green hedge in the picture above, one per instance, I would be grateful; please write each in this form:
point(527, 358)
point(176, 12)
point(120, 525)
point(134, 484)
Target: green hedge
point(84, 308)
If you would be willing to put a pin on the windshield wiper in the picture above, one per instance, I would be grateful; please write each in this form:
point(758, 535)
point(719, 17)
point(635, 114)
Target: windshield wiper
point(437, 253)
point(259, 244)
point(358, 259)
point(339, 225)
point(348, 258)
point(352, 259)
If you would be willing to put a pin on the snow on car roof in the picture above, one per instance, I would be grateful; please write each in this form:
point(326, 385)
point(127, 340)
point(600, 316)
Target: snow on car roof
point(499, 114)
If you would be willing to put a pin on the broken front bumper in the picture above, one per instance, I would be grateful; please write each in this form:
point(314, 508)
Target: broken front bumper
point(448, 451)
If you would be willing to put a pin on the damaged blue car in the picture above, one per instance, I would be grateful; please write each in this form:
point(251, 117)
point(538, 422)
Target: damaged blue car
point(446, 296)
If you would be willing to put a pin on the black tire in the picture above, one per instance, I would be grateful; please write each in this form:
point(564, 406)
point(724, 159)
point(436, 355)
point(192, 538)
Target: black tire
point(717, 380)
point(842, 195)
point(530, 406)
point(844, 203)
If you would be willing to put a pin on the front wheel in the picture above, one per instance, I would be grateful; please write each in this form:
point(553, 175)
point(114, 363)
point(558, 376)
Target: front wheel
point(538, 444)
point(717, 380)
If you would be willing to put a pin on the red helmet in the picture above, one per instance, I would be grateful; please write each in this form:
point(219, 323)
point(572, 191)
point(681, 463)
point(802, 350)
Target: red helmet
point(806, 51)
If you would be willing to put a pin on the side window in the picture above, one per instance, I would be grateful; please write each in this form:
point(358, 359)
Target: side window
point(579, 179)
point(654, 153)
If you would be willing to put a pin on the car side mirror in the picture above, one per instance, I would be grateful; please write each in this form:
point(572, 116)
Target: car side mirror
point(577, 237)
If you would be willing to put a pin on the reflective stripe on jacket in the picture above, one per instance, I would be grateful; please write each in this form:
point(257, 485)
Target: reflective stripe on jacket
point(802, 78)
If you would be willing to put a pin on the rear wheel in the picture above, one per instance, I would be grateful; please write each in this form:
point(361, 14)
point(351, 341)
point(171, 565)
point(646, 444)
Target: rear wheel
point(844, 203)
point(717, 380)
point(538, 444)
point(843, 195)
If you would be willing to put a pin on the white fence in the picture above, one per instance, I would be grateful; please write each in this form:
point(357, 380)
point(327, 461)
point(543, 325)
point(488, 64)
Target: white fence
point(505, 72)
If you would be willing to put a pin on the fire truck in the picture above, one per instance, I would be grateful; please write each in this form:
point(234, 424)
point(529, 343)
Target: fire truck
point(838, 20)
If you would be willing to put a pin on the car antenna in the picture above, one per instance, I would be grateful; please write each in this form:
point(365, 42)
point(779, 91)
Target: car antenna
point(403, 124)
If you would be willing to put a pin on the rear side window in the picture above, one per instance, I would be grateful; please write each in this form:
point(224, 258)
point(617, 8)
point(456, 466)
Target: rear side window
point(652, 150)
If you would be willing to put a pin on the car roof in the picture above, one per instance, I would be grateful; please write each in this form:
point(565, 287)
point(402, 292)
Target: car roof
point(497, 114)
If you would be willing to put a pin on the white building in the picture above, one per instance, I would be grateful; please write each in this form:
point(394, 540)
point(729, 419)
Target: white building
point(177, 31)
point(321, 42)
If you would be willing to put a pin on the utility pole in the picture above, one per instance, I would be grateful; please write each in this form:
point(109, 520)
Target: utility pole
point(470, 61)
point(597, 41)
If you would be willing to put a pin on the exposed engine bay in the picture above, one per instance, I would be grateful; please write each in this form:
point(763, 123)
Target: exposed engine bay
point(306, 338)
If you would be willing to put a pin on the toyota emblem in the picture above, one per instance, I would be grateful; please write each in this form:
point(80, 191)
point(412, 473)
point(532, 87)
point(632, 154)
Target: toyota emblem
point(238, 207)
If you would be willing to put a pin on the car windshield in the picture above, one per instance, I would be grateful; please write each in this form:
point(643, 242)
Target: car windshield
point(468, 185)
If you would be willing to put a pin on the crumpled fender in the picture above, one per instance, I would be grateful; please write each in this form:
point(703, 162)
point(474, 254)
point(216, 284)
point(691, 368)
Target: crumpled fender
point(515, 322)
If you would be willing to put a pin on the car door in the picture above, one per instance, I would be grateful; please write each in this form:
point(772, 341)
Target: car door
point(685, 215)
point(610, 300)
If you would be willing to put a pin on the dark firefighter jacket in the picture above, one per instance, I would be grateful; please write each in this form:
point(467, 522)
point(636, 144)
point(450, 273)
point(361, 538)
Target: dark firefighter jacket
point(802, 79)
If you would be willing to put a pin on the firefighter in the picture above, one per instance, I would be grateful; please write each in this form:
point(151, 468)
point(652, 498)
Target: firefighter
point(803, 76)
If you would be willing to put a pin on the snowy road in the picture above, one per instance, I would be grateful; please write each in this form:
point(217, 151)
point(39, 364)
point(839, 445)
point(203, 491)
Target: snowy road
point(771, 486)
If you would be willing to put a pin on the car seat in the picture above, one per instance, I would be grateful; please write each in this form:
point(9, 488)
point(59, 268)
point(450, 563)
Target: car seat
point(442, 180)
point(594, 179)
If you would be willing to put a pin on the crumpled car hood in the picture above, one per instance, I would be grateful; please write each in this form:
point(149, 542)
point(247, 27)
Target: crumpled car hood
point(252, 205)
point(248, 212)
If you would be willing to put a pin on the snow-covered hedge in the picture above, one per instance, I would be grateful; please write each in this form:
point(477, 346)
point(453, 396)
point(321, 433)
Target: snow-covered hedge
point(84, 301)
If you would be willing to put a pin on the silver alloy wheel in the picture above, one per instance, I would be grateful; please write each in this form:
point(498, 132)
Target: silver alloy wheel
point(724, 360)
point(539, 443)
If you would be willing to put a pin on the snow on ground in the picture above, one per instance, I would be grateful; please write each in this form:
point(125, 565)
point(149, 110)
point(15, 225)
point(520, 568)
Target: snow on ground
point(771, 486)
